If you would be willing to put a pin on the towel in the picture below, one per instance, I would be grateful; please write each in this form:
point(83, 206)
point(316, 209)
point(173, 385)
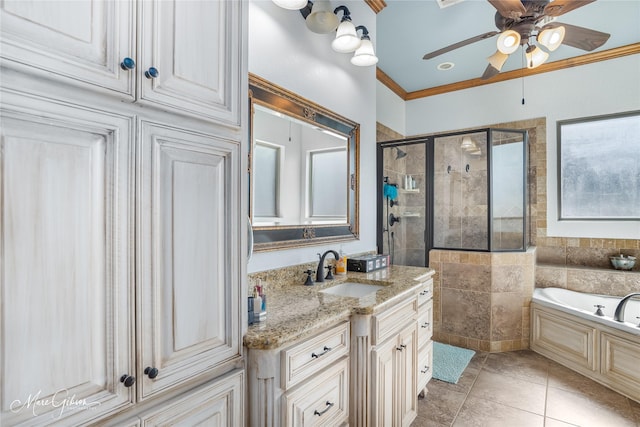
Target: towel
point(390, 191)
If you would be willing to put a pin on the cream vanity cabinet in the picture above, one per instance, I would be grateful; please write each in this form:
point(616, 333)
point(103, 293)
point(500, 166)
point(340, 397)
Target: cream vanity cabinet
point(170, 54)
point(303, 384)
point(393, 373)
point(425, 333)
point(121, 240)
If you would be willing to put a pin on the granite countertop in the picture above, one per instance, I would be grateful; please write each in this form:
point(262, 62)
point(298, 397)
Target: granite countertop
point(298, 311)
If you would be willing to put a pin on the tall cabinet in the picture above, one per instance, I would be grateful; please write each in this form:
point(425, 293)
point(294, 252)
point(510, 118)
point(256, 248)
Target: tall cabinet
point(122, 247)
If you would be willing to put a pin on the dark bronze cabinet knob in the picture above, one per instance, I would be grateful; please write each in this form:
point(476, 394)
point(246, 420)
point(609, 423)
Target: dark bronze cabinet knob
point(127, 380)
point(151, 372)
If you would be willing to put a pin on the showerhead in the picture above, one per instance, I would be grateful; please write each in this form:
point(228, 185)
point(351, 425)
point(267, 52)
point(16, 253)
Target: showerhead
point(400, 154)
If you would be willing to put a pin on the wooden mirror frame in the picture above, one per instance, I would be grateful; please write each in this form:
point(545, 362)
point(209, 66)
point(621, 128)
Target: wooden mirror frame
point(274, 97)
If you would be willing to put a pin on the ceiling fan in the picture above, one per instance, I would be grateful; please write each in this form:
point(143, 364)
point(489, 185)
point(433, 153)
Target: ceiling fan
point(518, 21)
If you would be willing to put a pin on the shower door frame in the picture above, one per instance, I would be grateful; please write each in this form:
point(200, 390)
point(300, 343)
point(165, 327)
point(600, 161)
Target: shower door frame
point(429, 142)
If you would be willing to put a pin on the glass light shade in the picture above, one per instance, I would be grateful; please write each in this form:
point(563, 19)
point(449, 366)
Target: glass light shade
point(497, 60)
point(364, 55)
point(467, 144)
point(551, 38)
point(347, 39)
point(322, 20)
point(508, 41)
point(535, 56)
point(291, 4)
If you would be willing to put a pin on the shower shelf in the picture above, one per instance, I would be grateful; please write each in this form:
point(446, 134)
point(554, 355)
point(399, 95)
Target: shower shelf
point(411, 215)
point(405, 190)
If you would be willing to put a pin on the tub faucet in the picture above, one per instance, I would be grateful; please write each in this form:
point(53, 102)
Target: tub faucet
point(619, 315)
point(320, 269)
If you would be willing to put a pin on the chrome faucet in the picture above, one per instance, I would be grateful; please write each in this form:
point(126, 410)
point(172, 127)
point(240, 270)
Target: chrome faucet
point(619, 315)
point(320, 269)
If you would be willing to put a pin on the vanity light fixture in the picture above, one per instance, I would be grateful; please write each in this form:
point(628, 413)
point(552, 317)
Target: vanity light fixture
point(291, 4)
point(322, 19)
point(347, 39)
point(364, 56)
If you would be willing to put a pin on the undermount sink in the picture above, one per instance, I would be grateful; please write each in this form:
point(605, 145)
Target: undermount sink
point(352, 290)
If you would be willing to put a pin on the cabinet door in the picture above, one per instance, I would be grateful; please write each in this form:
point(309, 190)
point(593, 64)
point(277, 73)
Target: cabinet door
point(217, 405)
point(188, 254)
point(384, 385)
point(80, 42)
point(65, 269)
point(406, 376)
point(196, 48)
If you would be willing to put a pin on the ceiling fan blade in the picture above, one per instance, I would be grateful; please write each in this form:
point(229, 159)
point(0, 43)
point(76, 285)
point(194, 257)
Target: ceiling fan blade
point(460, 44)
point(580, 37)
point(512, 9)
point(560, 7)
point(489, 72)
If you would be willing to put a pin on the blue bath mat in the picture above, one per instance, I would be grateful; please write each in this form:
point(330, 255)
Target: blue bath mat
point(449, 362)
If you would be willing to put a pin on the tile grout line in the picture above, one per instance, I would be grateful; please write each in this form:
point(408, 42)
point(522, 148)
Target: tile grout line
point(466, 396)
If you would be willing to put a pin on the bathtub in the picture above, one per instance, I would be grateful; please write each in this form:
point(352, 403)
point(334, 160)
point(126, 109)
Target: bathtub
point(565, 328)
point(583, 305)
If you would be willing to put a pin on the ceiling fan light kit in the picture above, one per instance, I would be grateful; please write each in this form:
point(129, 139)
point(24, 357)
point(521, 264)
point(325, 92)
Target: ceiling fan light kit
point(551, 38)
point(535, 56)
point(497, 60)
point(508, 41)
point(320, 19)
point(519, 21)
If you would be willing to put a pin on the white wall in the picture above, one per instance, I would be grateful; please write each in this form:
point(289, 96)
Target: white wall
point(283, 51)
point(390, 109)
point(601, 88)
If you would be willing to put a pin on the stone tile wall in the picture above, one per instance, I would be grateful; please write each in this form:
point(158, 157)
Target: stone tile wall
point(481, 300)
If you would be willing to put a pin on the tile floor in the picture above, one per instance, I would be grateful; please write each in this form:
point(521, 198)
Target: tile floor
point(522, 389)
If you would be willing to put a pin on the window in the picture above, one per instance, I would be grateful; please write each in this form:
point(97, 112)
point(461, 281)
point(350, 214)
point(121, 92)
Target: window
point(599, 168)
point(327, 183)
point(266, 161)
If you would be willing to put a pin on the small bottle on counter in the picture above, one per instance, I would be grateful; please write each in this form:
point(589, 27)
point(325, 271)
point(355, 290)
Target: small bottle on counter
point(341, 263)
point(257, 305)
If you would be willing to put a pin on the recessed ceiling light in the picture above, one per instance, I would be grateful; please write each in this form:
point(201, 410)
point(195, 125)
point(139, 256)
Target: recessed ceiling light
point(445, 66)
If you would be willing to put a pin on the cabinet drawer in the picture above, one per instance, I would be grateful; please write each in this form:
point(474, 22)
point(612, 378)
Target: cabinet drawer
point(426, 292)
point(389, 322)
point(322, 401)
point(425, 323)
point(425, 363)
point(302, 360)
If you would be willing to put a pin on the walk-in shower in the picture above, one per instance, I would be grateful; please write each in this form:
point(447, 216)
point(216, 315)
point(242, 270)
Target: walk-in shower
point(460, 191)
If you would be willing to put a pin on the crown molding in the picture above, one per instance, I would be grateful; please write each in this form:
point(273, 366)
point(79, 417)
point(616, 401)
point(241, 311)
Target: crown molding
point(376, 5)
point(588, 58)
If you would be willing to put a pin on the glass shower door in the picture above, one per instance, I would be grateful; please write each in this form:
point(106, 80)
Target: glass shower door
point(460, 192)
point(404, 204)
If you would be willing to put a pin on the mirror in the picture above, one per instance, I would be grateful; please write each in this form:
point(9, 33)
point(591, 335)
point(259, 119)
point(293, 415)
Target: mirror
point(303, 170)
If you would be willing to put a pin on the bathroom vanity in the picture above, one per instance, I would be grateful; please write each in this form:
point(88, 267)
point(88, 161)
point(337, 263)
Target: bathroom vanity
point(329, 359)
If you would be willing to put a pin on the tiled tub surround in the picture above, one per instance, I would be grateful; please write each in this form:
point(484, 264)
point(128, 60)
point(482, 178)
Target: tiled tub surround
point(601, 281)
point(481, 300)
